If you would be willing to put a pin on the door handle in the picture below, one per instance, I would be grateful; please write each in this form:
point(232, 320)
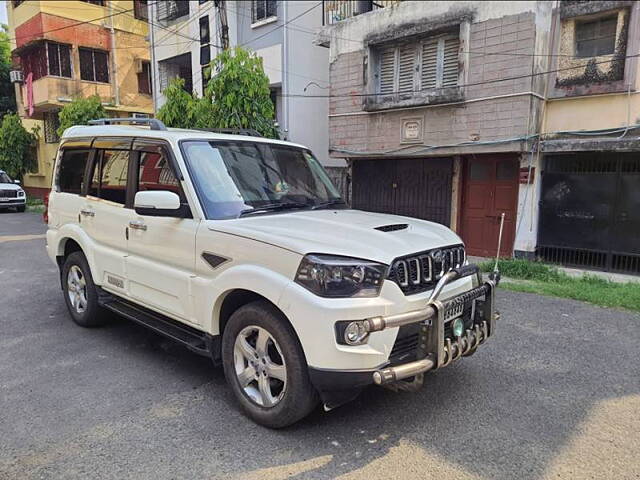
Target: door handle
point(87, 213)
point(137, 225)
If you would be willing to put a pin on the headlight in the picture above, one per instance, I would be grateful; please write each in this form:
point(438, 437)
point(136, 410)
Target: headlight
point(21, 193)
point(334, 276)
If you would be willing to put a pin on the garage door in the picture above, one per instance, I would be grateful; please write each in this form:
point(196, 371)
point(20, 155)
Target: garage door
point(419, 188)
point(589, 211)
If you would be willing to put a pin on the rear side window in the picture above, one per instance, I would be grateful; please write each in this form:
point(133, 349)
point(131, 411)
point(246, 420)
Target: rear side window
point(71, 170)
point(109, 179)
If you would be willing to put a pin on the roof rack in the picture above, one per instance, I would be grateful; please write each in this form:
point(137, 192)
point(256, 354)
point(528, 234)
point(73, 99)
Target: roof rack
point(153, 123)
point(231, 131)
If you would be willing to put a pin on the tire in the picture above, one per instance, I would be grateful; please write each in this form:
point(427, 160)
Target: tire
point(264, 396)
point(21, 208)
point(84, 308)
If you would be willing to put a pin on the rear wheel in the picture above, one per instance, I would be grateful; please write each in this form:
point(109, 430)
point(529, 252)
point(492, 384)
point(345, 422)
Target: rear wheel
point(265, 366)
point(80, 292)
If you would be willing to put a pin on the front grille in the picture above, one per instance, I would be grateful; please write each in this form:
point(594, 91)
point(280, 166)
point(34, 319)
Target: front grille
point(8, 193)
point(420, 271)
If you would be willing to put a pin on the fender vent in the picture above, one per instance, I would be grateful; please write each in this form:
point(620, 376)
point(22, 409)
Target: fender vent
point(392, 228)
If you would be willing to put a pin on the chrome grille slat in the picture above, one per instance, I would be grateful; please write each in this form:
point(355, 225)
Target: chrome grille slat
point(419, 272)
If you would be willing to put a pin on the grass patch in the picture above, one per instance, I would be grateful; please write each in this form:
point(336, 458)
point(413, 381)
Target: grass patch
point(34, 204)
point(548, 280)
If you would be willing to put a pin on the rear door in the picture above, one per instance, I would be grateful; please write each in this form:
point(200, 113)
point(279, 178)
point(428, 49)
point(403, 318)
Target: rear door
point(106, 210)
point(161, 250)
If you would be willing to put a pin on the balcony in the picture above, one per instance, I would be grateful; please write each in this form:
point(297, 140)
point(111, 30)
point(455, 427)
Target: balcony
point(334, 11)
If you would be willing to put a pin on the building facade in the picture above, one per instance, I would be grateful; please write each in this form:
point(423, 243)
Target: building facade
point(65, 50)
point(435, 106)
point(186, 35)
point(589, 187)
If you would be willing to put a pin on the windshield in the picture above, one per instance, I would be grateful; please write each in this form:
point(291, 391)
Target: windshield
point(241, 177)
point(4, 178)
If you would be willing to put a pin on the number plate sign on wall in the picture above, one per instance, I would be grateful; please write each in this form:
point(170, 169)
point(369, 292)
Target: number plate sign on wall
point(411, 130)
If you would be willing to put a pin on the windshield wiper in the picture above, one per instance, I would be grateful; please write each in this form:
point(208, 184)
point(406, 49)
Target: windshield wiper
point(273, 207)
point(330, 203)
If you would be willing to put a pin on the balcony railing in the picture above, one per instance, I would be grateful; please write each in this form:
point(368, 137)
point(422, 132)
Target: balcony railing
point(334, 11)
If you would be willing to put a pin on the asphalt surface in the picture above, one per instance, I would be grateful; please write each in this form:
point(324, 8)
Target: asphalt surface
point(555, 394)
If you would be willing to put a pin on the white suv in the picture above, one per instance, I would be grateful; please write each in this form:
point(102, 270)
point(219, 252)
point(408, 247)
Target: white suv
point(240, 248)
point(11, 194)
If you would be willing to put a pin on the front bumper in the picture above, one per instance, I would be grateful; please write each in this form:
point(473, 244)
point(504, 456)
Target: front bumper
point(436, 349)
point(433, 345)
point(13, 202)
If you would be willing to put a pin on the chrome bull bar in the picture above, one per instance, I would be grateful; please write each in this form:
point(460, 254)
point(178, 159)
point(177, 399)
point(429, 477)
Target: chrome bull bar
point(434, 351)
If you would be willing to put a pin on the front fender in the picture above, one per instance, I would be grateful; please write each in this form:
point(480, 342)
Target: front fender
point(254, 278)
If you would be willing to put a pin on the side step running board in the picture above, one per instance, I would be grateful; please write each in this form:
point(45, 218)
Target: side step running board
point(194, 339)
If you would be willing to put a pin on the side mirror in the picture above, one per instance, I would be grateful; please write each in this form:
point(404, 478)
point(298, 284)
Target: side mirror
point(17, 182)
point(158, 203)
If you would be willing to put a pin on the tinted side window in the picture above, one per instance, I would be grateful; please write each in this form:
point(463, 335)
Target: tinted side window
point(109, 179)
point(155, 173)
point(71, 170)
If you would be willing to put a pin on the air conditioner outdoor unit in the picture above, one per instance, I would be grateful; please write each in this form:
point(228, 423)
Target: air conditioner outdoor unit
point(140, 115)
point(16, 76)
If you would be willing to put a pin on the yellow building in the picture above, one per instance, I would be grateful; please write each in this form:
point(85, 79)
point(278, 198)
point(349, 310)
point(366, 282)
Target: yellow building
point(69, 49)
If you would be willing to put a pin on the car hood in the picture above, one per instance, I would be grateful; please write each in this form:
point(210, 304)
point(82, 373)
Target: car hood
point(10, 186)
point(350, 233)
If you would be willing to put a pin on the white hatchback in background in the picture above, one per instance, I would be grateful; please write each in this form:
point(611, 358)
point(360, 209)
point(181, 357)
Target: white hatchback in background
point(240, 248)
point(11, 194)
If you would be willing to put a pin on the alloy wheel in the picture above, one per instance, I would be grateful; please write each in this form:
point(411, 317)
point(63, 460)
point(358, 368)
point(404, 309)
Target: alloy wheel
point(77, 289)
point(259, 366)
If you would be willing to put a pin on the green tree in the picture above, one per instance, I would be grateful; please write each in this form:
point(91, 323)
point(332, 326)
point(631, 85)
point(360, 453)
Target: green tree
point(237, 96)
point(80, 111)
point(239, 93)
point(7, 92)
point(17, 147)
point(180, 109)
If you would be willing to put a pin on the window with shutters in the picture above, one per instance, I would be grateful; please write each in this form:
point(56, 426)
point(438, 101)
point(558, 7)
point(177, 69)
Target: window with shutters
point(421, 66)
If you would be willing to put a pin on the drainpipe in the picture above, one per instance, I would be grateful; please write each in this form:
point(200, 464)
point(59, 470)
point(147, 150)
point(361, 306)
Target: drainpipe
point(114, 65)
point(285, 74)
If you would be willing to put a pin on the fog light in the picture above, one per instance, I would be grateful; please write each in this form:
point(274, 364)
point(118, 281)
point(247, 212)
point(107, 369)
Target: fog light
point(355, 333)
point(458, 327)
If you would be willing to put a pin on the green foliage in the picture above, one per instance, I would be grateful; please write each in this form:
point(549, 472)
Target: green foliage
point(179, 111)
point(17, 147)
point(240, 94)
point(80, 111)
point(524, 269)
point(7, 92)
point(537, 277)
point(237, 96)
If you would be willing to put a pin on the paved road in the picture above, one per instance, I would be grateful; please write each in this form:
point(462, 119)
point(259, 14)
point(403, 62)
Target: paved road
point(556, 394)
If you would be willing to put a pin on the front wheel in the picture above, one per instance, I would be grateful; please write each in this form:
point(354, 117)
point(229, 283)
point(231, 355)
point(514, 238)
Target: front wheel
point(265, 366)
point(21, 208)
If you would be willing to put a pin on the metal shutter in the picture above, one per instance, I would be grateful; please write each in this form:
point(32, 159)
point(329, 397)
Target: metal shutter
point(406, 68)
point(450, 61)
point(387, 70)
point(429, 64)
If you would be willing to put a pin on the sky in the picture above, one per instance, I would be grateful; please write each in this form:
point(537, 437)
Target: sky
point(3, 12)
